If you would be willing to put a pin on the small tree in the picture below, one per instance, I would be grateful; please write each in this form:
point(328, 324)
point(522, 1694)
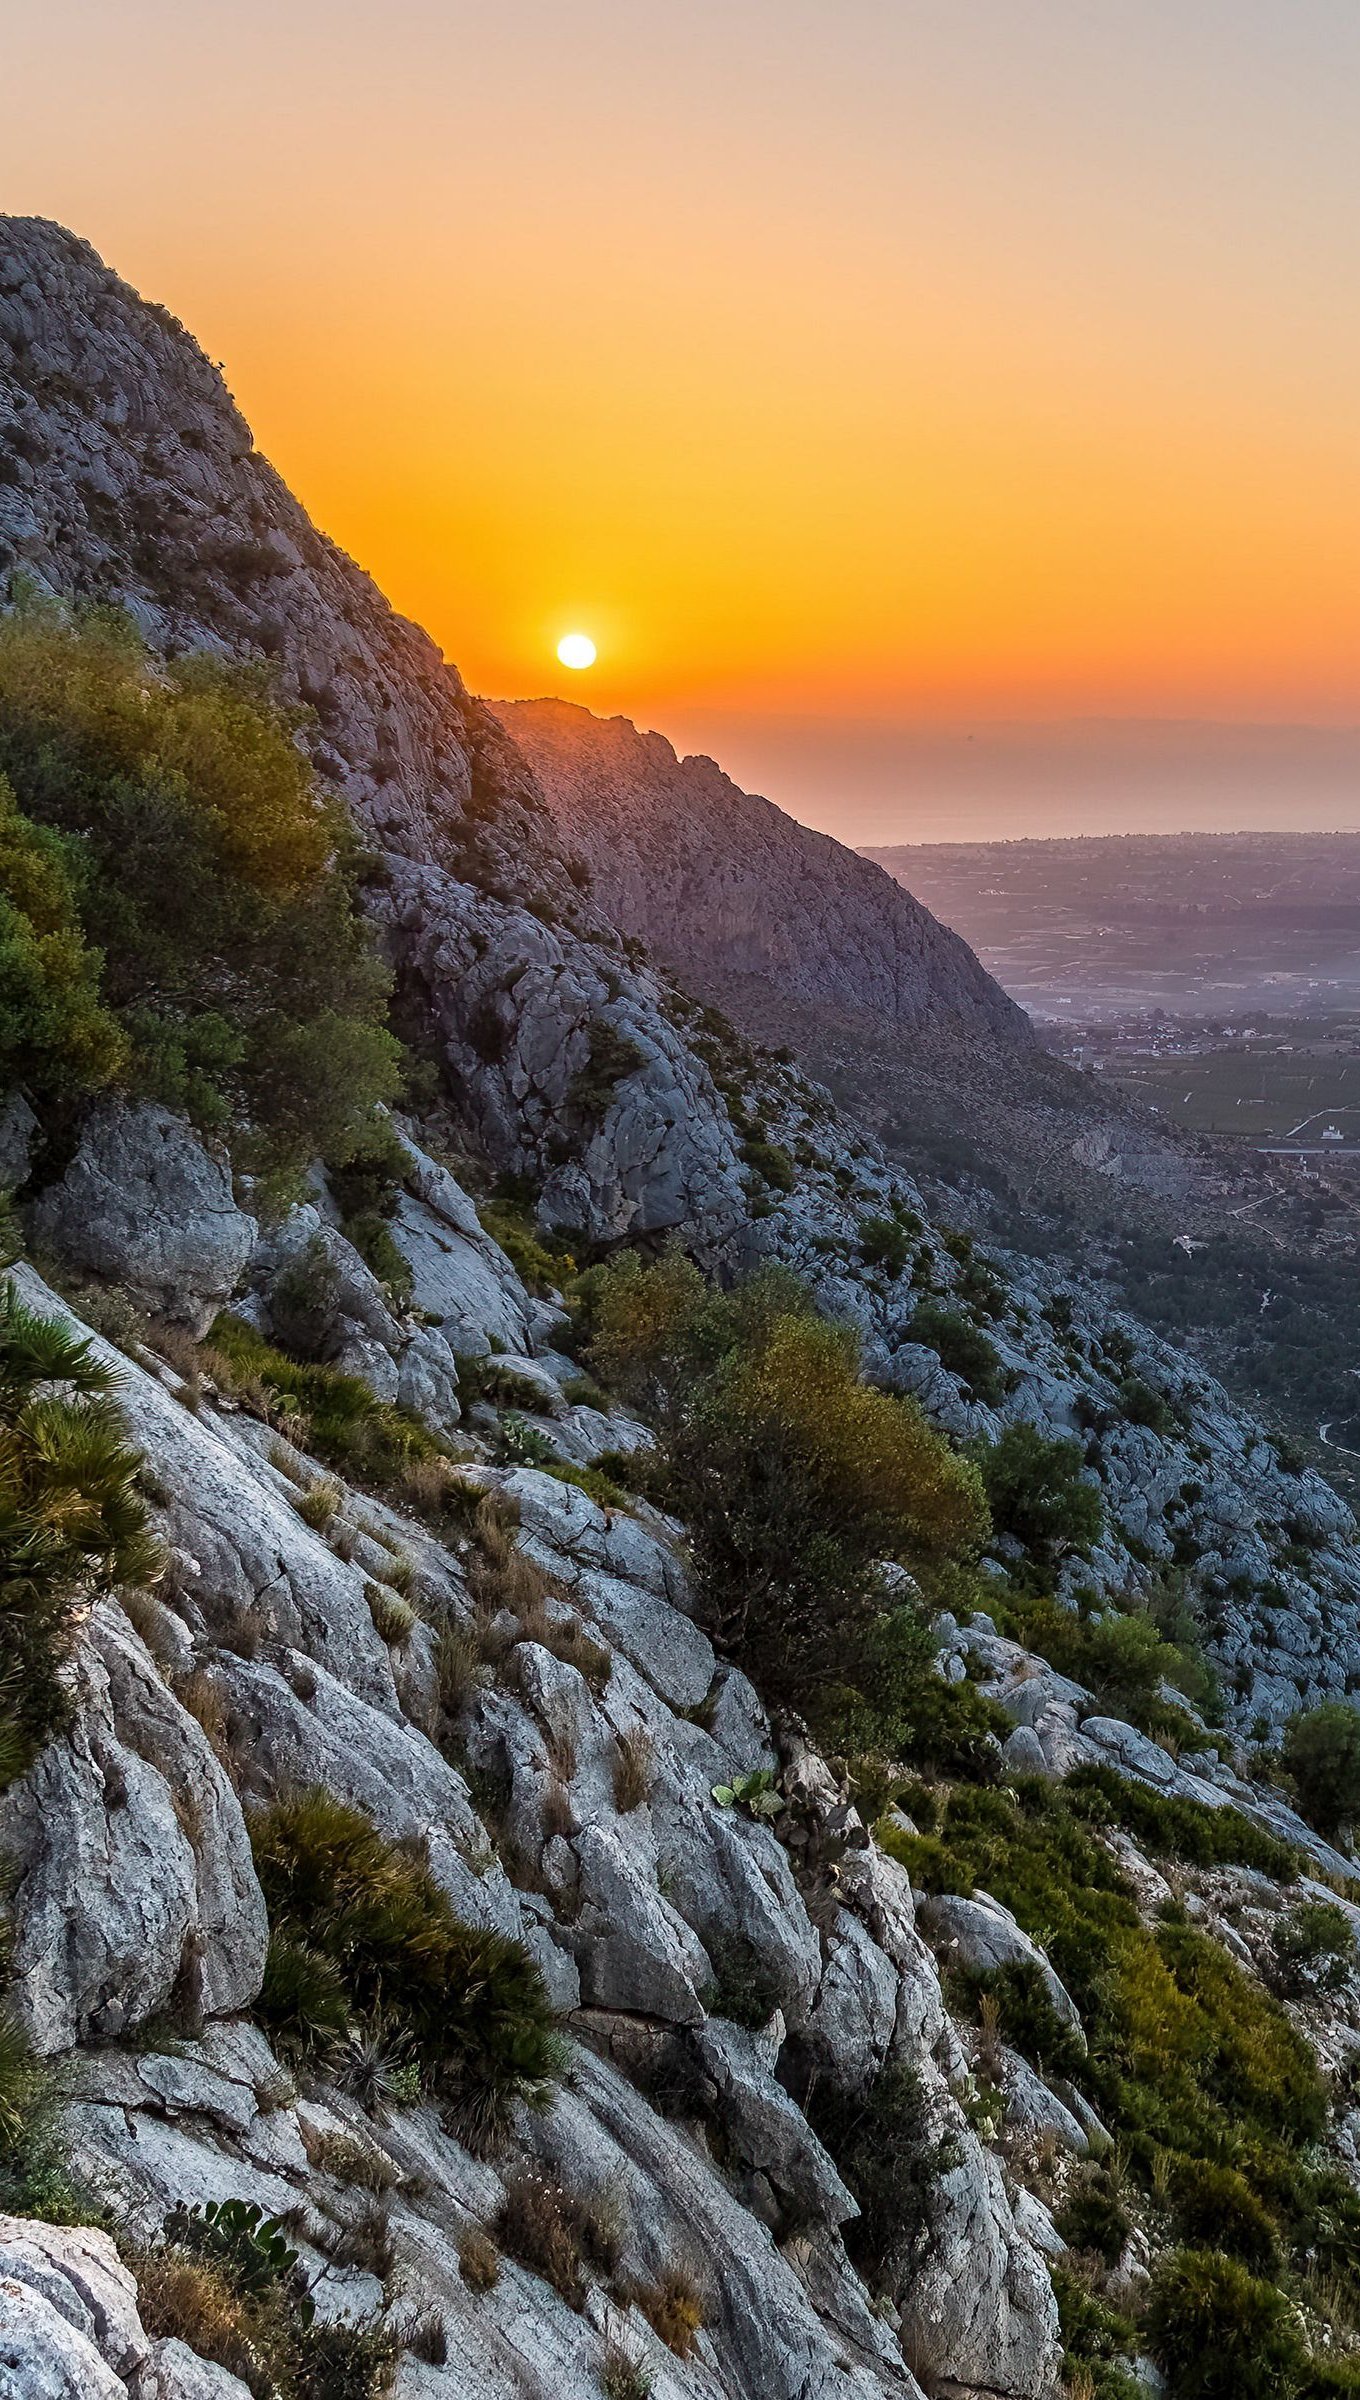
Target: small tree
point(1322, 1753)
point(1037, 1492)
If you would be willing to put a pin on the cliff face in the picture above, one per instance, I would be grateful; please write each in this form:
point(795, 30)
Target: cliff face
point(716, 879)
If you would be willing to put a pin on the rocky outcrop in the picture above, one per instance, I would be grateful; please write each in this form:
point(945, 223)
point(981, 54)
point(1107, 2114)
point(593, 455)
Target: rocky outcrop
point(257, 1671)
point(715, 879)
point(145, 1205)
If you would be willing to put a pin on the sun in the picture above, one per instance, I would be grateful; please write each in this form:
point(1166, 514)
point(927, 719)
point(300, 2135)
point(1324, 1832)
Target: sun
point(576, 650)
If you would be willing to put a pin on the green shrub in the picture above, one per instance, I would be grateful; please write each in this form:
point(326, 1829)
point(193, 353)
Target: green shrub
point(1094, 2219)
point(1026, 2016)
point(884, 2146)
point(1096, 2339)
point(56, 1035)
point(1220, 2333)
point(961, 1348)
point(1123, 1660)
point(368, 1440)
point(1322, 1753)
point(542, 1262)
point(472, 2003)
point(1215, 2208)
point(366, 1187)
point(181, 907)
point(1174, 1828)
point(885, 1242)
point(611, 1057)
point(1313, 1950)
point(793, 1476)
point(1141, 1405)
point(1037, 1492)
point(772, 1163)
point(72, 1522)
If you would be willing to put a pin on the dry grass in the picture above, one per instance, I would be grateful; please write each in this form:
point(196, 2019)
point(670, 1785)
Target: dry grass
point(402, 1573)
point(285, 1461)
point(633, 1770)
point(394, 1619)
point(623, 2377)
point(187, 2300)
point(674, 2308)
point(205, 1701)
point(428, 2339)
point(247, 1632)
point(146, 1616)
point(459, 1666)
point(366, 2242)
point(538, 2225)
point(319, 1503)
point(556, 1815)
point(436, 1490)
point(352, 2161)
point(479, 2260)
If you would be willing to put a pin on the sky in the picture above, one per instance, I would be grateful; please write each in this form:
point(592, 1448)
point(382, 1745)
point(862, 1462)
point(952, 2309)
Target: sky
point(942, 411)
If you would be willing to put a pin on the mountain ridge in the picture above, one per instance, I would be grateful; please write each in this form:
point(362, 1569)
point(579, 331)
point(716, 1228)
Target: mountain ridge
point(707, 873)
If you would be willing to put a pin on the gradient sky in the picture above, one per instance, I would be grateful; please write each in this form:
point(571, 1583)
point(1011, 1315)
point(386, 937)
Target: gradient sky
point(885, 369)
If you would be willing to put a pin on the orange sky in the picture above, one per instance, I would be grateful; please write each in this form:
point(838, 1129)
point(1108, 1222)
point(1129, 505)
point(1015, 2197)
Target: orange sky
point(866, 360)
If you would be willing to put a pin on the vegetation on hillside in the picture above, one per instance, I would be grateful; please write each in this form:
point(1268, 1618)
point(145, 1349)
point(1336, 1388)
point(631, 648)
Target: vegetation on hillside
point(369, 1966)
point(179, 916)
point(796, 1480)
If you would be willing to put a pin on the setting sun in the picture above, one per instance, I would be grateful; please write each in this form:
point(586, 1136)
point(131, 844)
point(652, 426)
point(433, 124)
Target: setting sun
point(576, 650)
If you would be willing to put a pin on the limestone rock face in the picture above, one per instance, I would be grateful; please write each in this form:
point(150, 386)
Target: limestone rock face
point(133, 1869)
point(143, 1204)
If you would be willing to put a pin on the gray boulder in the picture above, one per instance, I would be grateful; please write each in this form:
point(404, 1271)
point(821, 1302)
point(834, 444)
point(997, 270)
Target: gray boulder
point(143, 1204)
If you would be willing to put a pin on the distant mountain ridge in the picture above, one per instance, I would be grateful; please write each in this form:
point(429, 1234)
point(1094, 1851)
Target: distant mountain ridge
point(715, 878)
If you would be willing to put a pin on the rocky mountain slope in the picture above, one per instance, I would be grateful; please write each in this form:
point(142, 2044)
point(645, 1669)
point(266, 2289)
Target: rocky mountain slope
point(807, 2075)
point(718, 881)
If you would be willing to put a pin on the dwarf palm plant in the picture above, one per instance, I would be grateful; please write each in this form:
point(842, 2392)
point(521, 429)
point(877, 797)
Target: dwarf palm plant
point(71, 1521)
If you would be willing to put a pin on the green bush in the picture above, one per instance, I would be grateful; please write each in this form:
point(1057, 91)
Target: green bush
point(1037, 1492)
point(611, 1057)
point(883, 2144)
point(356, 1910)
point(366, 1187)
point(1094, 2219)
point(1220, 2333)
point(1183, 1829)
point(1215, 2208)
point(1140, 1405)
point(1123, 1660)
point(180, 910)
point(368, 1440)
point(961, 1348)
point(1313, 1950)
point(55, 1033)
point(885, 1242)
point(772, 1163)
point(1322, 1753)
point(793, 1476)
point(72, 1523)
point(1026, 2016)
